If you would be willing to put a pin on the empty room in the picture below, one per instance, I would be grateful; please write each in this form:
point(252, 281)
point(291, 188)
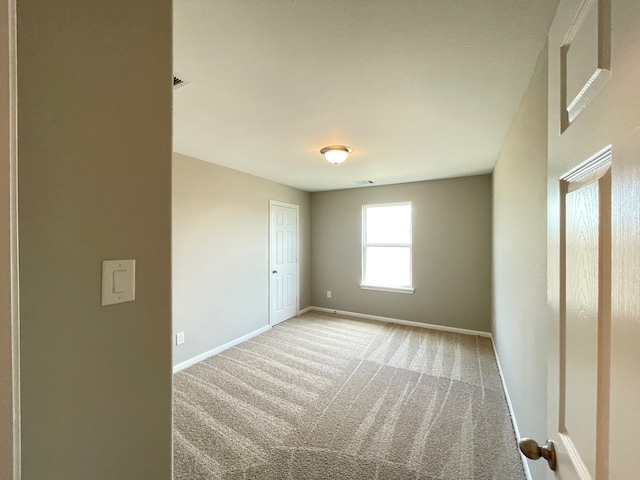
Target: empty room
point(349, 239)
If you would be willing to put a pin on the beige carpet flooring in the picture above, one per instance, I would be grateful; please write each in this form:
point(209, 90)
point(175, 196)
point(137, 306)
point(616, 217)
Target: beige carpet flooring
point(329, 397)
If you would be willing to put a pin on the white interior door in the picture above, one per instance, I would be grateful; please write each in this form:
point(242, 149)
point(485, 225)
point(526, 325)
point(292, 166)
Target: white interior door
point(283, 262)
point(594, 247)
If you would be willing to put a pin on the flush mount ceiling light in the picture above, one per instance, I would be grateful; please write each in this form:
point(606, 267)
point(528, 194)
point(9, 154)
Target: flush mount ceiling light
point(336, 153)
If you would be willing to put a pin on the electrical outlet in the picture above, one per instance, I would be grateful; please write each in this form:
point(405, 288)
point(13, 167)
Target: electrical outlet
point(328, 293)
point(180, 338)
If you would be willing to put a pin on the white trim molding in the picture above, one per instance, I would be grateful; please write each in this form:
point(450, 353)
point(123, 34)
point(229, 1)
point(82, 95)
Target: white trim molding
point(381, 288)
point(512, 414)
point(10, 437)
point(304, 310)
point(221, 348)
point(409, 323)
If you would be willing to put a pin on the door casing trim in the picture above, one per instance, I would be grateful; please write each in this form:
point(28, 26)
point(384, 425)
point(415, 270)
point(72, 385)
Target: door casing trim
point(9, 312)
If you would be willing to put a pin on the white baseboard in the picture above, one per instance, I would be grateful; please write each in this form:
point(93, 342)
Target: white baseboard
point(221, 348)
point(525, 464)
point(402, 322)
point(305, 310)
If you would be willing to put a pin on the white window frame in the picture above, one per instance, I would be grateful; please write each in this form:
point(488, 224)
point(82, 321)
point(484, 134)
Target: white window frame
point(385, 288)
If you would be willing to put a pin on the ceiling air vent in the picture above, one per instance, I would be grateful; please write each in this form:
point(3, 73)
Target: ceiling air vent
point(365, 182)
point(178, 81)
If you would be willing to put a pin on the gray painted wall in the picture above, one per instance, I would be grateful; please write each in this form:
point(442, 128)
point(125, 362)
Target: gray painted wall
point(520, 260)
point(221, 253)
point(94, 136)
point(451, 252)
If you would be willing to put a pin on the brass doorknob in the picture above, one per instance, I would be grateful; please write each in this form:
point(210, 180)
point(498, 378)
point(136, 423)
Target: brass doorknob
point(532, 450)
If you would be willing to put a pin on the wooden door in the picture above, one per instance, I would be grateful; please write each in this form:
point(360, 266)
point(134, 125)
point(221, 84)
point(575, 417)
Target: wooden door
point(283, 261)
point(593, 242)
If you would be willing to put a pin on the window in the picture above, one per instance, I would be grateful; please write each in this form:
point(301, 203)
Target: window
point(386, 247)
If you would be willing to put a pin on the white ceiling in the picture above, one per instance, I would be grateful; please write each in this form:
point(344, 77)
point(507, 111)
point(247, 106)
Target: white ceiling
point(420, 89)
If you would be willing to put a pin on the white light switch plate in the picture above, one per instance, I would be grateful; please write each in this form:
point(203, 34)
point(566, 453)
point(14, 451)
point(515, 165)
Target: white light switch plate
point(118, 281)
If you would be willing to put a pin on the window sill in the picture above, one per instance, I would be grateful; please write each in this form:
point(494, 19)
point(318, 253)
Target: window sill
point(380, 288)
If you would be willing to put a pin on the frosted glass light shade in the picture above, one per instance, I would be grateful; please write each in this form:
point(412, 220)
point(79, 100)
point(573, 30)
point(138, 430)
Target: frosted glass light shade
point(336, 153)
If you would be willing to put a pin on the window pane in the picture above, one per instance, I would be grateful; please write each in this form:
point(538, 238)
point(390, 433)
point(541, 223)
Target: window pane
point(388, 266)
point(388, 224)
